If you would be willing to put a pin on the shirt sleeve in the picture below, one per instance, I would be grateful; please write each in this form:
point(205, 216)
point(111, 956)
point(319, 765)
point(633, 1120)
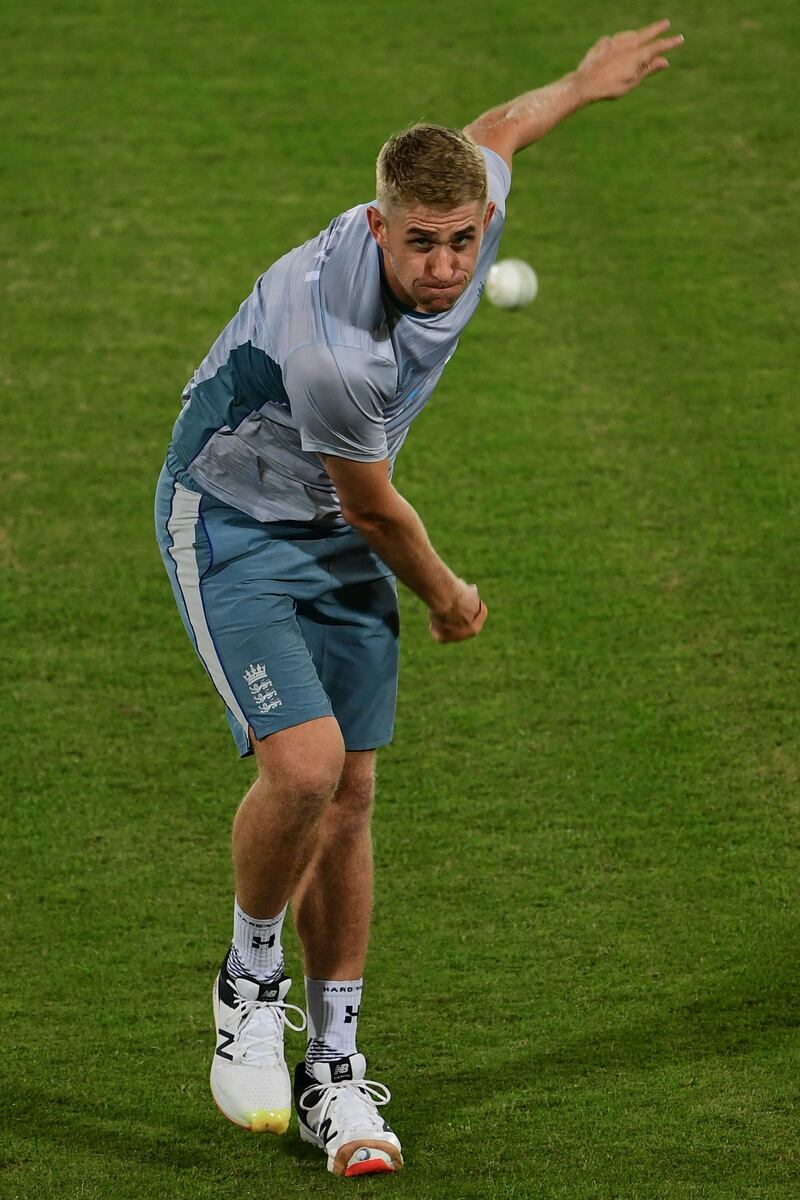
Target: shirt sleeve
point(338, 396)
point(499, 174)
point(499, 187)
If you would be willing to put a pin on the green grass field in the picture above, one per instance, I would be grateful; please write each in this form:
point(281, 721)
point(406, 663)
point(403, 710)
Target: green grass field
point(584, 978)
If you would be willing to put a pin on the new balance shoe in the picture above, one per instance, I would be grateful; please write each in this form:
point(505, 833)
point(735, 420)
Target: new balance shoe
point(249, 1079)
point(337, 1110)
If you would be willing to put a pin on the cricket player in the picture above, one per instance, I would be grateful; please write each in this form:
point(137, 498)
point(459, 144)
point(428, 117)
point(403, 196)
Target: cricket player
point(283, 537)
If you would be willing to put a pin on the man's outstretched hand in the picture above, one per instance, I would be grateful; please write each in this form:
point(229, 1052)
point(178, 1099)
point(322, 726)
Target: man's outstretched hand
point(616, 65)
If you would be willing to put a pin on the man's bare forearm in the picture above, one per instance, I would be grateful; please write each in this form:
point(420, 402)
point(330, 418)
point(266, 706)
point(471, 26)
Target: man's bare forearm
point(612, 67)
point(400, 539)
point(528, 117)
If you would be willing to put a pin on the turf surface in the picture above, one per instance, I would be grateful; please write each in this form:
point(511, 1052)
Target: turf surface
point(583, 980)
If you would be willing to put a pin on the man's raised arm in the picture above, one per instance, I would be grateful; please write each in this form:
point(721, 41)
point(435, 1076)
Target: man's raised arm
point(614, 65)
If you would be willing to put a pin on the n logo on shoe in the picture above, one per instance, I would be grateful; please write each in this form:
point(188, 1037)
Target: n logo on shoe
point(325, 1131)
point(223, 1046)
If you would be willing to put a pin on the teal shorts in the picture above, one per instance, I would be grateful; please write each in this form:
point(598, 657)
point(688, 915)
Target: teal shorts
point(291, 621)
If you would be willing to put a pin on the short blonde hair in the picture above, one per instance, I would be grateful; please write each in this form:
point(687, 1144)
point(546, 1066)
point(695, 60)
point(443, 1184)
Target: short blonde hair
point(430, 165)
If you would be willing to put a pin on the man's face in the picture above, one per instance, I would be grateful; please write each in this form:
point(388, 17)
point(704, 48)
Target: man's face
point(429, 255)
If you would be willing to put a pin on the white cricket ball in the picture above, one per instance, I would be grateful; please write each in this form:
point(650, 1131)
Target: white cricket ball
point(511, 283)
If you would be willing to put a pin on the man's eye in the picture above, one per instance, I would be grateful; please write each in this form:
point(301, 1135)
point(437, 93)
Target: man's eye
point(420, 242)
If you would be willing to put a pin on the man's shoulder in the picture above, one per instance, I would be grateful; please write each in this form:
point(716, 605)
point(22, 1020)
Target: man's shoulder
point(325, 291)
point(324, 366)
point(499, 176)
point(350, 295)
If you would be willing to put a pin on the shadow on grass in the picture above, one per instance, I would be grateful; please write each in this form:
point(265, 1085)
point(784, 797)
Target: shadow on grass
point(186, 1143)
point(709, 1028)
point(712, 1026)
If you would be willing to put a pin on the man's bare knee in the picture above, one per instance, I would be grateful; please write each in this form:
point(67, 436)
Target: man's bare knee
point(304, 761)
point(356, 790)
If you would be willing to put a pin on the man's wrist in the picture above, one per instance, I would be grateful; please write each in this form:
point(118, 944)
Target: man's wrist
point(577, 84)
point(443, 603)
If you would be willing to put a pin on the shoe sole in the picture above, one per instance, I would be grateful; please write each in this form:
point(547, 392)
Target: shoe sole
point(264, 1120)
point(373, 1166)
point(339, 1164)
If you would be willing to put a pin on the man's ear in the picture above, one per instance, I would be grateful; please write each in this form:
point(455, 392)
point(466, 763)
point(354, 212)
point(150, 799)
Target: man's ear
point(487, 216)
point(377, 225)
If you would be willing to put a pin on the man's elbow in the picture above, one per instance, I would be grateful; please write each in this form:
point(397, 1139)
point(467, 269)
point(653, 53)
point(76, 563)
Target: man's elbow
point(379, 512)
point(497, 134)
point(370, 516)
point(365, 491)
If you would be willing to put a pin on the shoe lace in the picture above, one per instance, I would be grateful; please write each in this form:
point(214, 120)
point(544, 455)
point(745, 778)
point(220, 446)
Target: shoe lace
point(356, 1101)
point(260, 1035)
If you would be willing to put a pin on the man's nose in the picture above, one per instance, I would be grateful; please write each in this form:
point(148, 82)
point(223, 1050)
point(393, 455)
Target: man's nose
point(440, 266)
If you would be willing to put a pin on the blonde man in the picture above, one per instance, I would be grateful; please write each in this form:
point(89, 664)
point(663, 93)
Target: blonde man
point(283, 536)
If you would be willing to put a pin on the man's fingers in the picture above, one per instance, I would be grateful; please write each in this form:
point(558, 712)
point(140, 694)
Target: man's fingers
point(665, 44)
point(651, 31)
point(649, 66)
point(462, 634)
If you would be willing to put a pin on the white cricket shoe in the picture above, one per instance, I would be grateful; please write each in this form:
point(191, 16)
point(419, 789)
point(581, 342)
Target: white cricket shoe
point(249, 1079)
point(337, 1110)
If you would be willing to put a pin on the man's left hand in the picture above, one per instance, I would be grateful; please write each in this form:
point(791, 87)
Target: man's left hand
point(616, 65)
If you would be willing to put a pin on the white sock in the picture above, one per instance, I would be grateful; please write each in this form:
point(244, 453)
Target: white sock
point(333, 1007)
point(256, 949)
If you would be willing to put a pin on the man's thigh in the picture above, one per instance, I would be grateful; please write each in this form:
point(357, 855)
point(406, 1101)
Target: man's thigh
point(289, 628)
point(352, 632)
point(241, 624)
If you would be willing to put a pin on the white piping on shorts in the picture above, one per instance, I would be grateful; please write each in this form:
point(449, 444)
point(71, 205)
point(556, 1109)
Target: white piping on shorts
point(182, 526)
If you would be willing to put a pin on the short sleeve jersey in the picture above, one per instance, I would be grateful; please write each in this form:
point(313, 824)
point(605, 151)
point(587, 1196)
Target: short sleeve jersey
point(320, 359)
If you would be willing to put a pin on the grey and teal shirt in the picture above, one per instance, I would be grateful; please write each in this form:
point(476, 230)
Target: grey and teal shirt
point(320, 358)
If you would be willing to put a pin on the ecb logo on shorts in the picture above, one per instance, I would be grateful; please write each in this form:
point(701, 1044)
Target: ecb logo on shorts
point(262, 689)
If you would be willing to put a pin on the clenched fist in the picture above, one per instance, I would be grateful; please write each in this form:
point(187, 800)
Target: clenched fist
point(463, 619)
